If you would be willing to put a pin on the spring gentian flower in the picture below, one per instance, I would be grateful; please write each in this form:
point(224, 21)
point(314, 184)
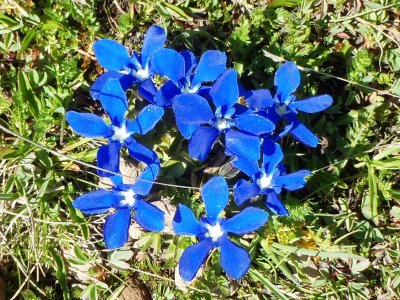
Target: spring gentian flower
point(286, 106)
point(119, 132)
point(240, 130)
point(268, 179)
point(128, 69)
point(124, 199)
point(212, 232)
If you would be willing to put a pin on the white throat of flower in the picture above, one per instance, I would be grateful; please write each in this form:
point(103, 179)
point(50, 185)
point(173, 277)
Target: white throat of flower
point(186, 89)
point(222, 124)
point(281, 109)
point(142, 74)
point(214, 232)
point(129, 200)
point(120, 134)
point(264, 181)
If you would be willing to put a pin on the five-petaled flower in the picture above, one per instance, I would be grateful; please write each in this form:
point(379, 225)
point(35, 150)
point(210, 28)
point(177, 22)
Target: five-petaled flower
point(212, 232)
point(124, 198)
point(120, 131)
point(268, 179)
point(239, 125)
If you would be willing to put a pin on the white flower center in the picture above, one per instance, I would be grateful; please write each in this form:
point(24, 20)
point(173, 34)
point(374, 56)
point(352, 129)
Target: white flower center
point(120, 134)
point(264, 182)
point(281, 109)
point(187, 90)
point(142, 74)
point(214, 232)
point(129, 198)
point(222, 124)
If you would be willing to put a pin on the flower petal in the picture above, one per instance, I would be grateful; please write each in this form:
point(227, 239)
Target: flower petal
point(287, 80)
point(243, 145)
point(88, 125)
point(148, 90)
point(192, 109)
point(225, 91)
point(168, 91)
point(185, 129)
point(169, 63)
point(116, 228)
point(244, 190)
point(250, 168)
point(144, 183)
point(201, 142)
point(192, 259)
point(248, 220)
point(142, 153)
point(272, 155)
point(235, 260)
point(259, 99)
point(212, 63)
point(108, 159)
point(215, 194)
point(185, 222)
point(113, 99)
point(148, 216)
point(153, 41)
point(146, 120)
point(292, 181)
point(190, 61)
point(254, 124)
point(96, 202)
point(126, 82)
point(111, 54)
point(313, 104)
point(275, 204)
point(302, 133)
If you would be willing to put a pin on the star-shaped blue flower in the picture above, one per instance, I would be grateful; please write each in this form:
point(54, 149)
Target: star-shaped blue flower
point(128, 69)
point(240, 128)
point(212, 232)
point(268, 179)
point(285, 105)
point(124, 198)
point(120, 131)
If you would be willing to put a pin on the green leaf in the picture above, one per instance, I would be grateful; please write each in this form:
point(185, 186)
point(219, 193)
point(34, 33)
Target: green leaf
point(369, 205)
point(25, 88)
point(61, 273)
point(268, 284)
point(26, 41)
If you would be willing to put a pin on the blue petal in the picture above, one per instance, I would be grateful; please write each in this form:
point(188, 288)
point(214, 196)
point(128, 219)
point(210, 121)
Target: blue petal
point(144, 183)
point(243, 145)
point(302, 133)
point(190, 61)
point(114, 102)
point(88, 125)
point(259, 99)
point(287, 80)
point(272, 155)
point(169, 63)
point(96, 202)
point(292, 181)
point(244, 190)
point(185, 129)
point(313, 104)
point(235, 261)
point(126, 82)
point(142, 153)
point(250, 168)
point(108, 158)
point(215, 194)
point(225, 91)
point(148, 90)
point(148, 216)
point(254, 124)
point(146, 120)
point(185, 222)
point(248, 220)
point(153, 41)
point(275, 204)
point(116, 228)
point(192, 109)
point(168, 91)
point(201, 142)
point(192, 259)
point(212, 63)
point(111, 54)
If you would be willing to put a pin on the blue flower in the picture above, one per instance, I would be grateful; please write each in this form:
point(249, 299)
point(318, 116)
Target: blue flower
point(241, 129)
point(269, 179)
point(128, 69)
point(285, 105)
point(120, 131)
point(212, 232)
point(124, 199)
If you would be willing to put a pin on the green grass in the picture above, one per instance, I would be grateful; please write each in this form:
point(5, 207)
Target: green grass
point(342, 239)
